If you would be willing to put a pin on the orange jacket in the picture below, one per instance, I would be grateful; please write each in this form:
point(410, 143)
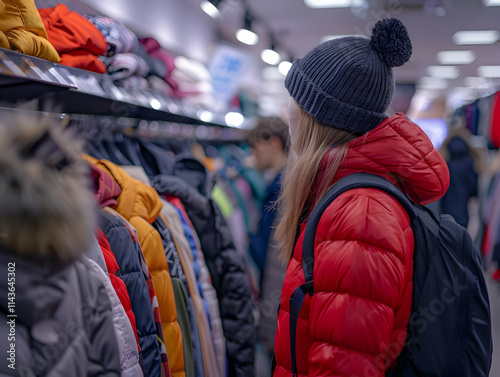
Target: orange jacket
point(141, 205)
point(22, 30)
point(76, 39)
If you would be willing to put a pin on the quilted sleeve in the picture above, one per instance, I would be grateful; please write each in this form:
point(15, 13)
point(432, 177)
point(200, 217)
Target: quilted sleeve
point(363, 285)
point(155, 259)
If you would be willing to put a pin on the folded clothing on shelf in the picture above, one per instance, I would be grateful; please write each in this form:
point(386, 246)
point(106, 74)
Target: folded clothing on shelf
point(121, 66)
point(118, 37)
point(71, 34)
point(22, 30)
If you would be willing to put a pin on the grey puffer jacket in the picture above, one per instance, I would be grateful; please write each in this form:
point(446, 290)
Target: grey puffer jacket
point(64, 325)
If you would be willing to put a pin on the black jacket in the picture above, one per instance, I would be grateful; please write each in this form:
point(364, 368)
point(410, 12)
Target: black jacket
point(189, 181)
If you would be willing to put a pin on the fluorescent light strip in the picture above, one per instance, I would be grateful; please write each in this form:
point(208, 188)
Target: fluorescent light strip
point(456, 57)
point(432, 83)
point(270, 56)
point(490, 71)
point(444, 72)
point(475, 37)
point(328, 3)
point(246, 36)
point(491, 3)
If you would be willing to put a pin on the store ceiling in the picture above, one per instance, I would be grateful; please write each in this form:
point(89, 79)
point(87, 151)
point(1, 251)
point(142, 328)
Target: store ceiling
point(297, 29)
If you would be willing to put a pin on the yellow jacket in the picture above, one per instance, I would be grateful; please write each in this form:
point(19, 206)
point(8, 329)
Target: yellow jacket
point(22, 30)
point(141, 205)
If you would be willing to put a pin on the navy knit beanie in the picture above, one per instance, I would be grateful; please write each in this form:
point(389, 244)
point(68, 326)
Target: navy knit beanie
point(347, 82)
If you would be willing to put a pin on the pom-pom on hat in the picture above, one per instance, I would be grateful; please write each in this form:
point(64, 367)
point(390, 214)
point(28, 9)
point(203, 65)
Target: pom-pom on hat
point(347, 82)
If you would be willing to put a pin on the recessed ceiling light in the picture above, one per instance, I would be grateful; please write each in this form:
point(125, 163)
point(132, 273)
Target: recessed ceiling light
point(210, 7)
point(270, 56)
point(456, 57)
point(284, 67)
point(247, 37)
point(234, 119)
point(328, 3)
point(491, 3)
point(449, 72)
point(492, 71)
point(475, 37)
point(432, 83)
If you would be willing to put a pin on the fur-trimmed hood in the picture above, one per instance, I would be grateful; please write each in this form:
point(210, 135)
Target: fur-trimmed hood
point(46, 208)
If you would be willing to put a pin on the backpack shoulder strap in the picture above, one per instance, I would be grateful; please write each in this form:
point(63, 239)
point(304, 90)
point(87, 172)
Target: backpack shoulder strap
point(358, 180)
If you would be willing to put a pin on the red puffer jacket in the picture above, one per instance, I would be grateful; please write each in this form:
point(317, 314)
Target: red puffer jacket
point(355, 323)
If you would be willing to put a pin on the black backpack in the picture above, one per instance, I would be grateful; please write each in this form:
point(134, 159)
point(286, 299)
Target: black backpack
point(449, 332)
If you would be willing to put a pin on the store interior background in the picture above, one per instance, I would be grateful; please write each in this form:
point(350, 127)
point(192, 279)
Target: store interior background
point(428, 89)
point(184, 29)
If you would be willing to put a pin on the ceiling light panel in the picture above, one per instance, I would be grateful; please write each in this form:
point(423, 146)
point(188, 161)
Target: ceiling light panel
point(475, 37)
point(491, 3)
point(444, 72)
point(491, 71)
point(456, 57)
point(328, 3)
point(432, 83)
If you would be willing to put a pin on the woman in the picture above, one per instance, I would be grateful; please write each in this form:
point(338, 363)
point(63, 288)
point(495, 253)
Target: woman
point(355, 323)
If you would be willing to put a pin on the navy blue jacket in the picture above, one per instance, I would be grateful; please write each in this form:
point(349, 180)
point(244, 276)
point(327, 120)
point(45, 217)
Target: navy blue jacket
point(126, 253)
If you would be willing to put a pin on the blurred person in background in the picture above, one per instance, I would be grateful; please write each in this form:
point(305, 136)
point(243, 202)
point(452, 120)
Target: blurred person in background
point(462, 163)
point(269, 142)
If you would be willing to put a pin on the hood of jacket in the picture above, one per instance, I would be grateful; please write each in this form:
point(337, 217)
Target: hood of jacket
point(136, 198)
point(400, 151)
point(105, 187)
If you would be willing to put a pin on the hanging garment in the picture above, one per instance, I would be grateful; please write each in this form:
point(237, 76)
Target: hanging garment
point(125, 335)
point(125, 247)
point(141, 205)
point(203, 352)
point(113, 271)
point(51, 299)
point(181, 301)
point(226, 268)
point(187, 247)
point(153, 300)
point(22, 30)
point(75, 39)
point(494, 129)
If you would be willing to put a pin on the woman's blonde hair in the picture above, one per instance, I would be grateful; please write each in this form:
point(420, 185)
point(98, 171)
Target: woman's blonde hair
point(311, 142)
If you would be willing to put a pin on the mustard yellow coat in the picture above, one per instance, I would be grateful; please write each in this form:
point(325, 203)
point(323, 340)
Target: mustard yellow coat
point(141, 205)
point(22, 30)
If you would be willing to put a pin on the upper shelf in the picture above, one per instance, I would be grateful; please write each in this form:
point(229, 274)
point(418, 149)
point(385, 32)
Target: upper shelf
point(73, 90)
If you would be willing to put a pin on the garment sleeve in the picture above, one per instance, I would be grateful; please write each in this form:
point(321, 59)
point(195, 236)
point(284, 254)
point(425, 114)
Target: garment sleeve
point(98, 322)
point(359, 312)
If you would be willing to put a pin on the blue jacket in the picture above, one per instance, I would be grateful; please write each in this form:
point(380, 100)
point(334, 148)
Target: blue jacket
point(126, 253)
point(259, 241)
